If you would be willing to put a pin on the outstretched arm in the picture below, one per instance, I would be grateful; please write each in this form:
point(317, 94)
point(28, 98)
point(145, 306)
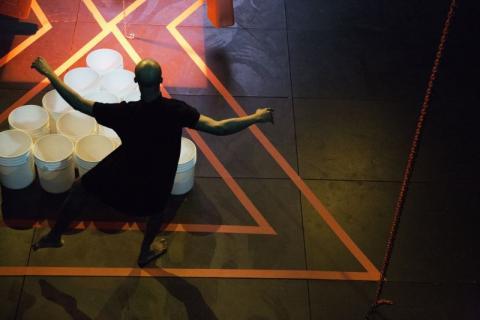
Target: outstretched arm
point(233, 125)
point(74, 99)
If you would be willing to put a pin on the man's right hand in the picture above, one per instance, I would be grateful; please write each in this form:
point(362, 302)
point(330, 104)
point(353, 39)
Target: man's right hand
point(42, 66)
point(68, 94)
point(264, 115)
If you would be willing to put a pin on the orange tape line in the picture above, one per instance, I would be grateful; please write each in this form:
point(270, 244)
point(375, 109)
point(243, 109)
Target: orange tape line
point(371, 274)
point(281, 161)
point(232, 184)
point(74, 58)
point(185, 273)
point(46, 26)
point(263, 225)
point(136, 226)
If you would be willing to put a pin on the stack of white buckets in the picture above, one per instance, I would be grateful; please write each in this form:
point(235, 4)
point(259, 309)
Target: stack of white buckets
point(57, 138)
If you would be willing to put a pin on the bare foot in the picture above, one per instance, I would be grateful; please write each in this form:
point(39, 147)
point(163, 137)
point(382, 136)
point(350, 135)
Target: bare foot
point(157, 248)
point(47, 241)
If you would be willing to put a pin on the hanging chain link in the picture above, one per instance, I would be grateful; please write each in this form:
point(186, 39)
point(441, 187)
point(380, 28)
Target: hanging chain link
point(129, 35)
point(411, 162)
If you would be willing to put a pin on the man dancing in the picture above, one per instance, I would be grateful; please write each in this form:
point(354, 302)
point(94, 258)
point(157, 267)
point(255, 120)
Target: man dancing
point(117, 181)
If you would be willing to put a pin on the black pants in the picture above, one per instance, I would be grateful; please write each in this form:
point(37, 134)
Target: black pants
point(78, 199)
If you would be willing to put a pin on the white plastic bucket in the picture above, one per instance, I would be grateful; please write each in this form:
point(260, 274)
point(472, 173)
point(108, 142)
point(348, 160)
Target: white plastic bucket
point(90, 150)
point(83, 80)
point(133, 95)
point(104, 60)
point(55, 106)
point(30, 118)
point(119, 82)
point(185, 175)
point(17, 169)
point(75, 125)
point(54, 159)
point(102, 96)
point(110, 134)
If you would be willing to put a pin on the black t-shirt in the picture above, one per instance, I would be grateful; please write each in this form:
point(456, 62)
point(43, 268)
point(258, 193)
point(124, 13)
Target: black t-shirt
point(138, 176)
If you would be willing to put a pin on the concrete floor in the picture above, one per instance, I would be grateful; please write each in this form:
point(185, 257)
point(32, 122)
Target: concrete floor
point(347, 80)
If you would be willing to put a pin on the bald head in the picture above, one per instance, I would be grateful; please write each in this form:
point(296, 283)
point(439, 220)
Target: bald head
point(148, 73)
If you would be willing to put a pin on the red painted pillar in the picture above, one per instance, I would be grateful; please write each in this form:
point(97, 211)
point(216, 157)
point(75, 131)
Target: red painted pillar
point(220, 12)
point(15, 8)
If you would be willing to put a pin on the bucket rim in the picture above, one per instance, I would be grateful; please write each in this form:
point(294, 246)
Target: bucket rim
point(49, 110)
point(91, 96)
point(59, 126)
point(99, 51)
point(17, 162)
point(109, 74)
point(186, 168)
point(24, 133)
point(112, 73)
point(43, 111)
point(192, 152)
point(35, 148)
point(104, 83)
point(84, 88)
point(58, 165)
point(96, 51)
point(81, 161)
point(39, 131)
point(103, 137)
point(81, 68)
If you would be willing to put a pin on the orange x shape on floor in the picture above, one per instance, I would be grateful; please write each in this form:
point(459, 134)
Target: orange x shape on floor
point(46, 26)
point(263, 227)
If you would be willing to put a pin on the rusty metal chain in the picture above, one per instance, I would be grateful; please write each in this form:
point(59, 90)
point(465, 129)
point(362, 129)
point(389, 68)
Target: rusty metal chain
point(410, 163)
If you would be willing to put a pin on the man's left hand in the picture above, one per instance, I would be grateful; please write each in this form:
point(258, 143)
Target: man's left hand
point(41, 65)
point(264, 115)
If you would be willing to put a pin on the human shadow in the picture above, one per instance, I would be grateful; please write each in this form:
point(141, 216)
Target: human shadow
point(64, 300)
point(9, 27)
point(118, 302)
point(187, 293)
point(113, 308)
point(22, 208)
point(219, 58)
